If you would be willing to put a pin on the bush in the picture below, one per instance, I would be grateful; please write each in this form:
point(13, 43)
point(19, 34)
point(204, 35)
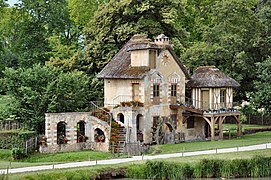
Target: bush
point(137, 171)
point(12, 139)
point(17, 153)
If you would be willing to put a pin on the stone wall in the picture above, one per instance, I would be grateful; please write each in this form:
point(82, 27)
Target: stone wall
point(71, 120)
point(96, 146)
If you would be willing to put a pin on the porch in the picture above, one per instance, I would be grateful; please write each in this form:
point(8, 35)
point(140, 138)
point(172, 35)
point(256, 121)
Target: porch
point(213, 117)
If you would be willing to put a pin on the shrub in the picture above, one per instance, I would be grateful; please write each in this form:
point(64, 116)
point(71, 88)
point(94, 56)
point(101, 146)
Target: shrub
point(260, 166)
point(137, 171)
point(17, 153)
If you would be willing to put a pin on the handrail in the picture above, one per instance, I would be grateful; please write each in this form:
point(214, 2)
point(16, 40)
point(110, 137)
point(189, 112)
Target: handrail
point(110, 118)
point(196, 104)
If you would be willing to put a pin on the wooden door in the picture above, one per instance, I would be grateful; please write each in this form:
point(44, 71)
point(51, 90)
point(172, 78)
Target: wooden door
point(135, 95)
point(205, 100)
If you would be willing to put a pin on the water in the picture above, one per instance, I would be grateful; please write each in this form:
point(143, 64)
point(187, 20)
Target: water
point(263, 178)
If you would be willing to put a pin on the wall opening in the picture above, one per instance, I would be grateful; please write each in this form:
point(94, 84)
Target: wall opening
point(139, 127)
point(191, 122)
point(61, 133)
point(121, 117)
point(81, 136)
point(99, 135)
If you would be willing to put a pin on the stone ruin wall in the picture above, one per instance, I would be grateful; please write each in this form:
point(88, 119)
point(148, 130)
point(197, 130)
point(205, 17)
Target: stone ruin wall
point(71, 120)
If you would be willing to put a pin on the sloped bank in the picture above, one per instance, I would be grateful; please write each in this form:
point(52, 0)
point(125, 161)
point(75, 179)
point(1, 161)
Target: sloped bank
point(257, 166)
point(207, 168)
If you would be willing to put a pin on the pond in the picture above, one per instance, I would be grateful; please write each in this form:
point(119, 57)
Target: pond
point(263, 178)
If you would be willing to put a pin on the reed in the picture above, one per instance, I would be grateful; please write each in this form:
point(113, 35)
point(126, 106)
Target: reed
point(137, 171)
point(260, 166)
point(207, 168)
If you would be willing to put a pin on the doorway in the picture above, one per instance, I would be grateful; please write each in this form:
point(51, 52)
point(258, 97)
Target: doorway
point(205, 100)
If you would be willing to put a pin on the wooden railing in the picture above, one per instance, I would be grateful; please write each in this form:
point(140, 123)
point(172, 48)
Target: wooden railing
point(207, 107)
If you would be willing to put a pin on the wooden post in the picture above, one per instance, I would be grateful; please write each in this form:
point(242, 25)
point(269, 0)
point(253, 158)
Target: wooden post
point(220, 127)
point(237, 118)
point(212, 128)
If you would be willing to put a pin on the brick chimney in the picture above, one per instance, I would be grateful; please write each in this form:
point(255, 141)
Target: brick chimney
point(162, 40)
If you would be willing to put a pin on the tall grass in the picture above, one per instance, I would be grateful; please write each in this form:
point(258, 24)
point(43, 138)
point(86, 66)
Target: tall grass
point(258, 166)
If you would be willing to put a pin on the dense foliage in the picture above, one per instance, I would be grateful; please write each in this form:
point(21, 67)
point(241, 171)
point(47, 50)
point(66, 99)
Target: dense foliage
point(257, 166)
point(71, 46)
point(42, 89)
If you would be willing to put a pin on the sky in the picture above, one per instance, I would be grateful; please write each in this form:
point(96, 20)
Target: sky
point(11, 2)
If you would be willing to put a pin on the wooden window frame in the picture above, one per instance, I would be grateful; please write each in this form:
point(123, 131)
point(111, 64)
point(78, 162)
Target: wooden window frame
point(223, 98)
point(173, 91)
point(156, 90)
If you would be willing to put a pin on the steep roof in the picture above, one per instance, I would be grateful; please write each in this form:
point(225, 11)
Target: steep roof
point(120, 65)
point(210, 76)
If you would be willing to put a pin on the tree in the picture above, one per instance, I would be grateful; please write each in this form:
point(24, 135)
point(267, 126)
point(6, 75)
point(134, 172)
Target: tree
point(27, 28)
point(115, 22)
point(261, 98)
point(87, 9)
point(40, 89)
point(230, 42)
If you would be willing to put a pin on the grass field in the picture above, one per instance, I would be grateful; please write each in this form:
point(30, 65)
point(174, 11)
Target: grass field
point(232, 127)
point(41, 159)
point(92, 171)
point(249, 139)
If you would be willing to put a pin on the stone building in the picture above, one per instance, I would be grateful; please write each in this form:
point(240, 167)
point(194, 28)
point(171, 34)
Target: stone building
point(151, 73)
point(151, 95)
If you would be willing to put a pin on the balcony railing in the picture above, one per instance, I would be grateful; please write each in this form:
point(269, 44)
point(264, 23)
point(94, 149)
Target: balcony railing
point(126, 98)
point(208, 107)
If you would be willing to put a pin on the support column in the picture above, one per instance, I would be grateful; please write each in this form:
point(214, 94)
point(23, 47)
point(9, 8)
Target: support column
point(212, 128)
point(220, 120)
point(238, 123)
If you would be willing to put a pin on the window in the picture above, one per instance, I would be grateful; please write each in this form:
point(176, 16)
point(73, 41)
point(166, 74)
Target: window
point(155, 121)
point(223, 98)
point(174, 90)
point(174, 119)
point(156, 90)
point(120, 117)
point(191, 122)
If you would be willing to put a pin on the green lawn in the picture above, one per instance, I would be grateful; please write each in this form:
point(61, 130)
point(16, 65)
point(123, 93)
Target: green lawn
point(249, 139)
point(92, 171)
point(232, 127)
point(42, 159)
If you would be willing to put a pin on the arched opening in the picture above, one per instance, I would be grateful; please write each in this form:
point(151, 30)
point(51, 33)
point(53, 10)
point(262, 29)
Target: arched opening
point(139, 127)
point(61, 133)
point(167, 133)
point(99, 135)
point(207, 130)
point(121, 117)
point(81, 137)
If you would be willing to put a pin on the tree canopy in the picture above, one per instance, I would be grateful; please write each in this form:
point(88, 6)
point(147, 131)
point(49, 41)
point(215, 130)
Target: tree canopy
point(51, 50)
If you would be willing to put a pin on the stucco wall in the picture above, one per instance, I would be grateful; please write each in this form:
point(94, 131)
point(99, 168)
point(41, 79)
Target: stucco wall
point(120, 90)
point(140, 58)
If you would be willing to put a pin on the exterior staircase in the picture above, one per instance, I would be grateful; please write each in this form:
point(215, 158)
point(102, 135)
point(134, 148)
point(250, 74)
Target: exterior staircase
point(122, 139)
